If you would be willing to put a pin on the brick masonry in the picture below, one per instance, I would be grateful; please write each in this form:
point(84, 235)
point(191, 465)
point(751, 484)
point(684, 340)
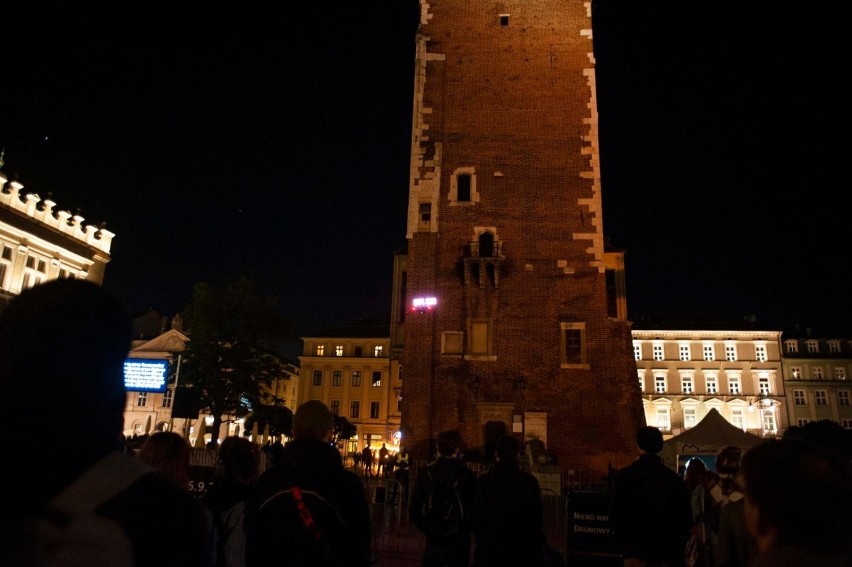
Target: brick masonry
point(516, 103)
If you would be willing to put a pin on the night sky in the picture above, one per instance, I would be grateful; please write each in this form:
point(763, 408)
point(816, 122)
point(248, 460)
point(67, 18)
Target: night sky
point(274, 142)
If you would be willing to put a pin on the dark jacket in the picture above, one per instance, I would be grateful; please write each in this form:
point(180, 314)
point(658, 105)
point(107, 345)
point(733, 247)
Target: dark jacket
point(314, 466)
point(651, 512)
point(448, 469)
point(439, 551)
point(507, 518)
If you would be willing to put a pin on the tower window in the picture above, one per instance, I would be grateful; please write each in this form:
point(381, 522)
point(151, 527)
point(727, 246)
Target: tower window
point(463, 190)
point(573, 344)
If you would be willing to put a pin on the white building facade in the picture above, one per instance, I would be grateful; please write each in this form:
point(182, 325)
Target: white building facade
point(685, 373)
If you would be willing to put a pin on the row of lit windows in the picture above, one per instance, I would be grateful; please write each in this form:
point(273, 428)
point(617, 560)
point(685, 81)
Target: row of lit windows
point(812, 346)
point(711, 383)
point(357, 351)
point(708, 352)
point(839, 373)
point(690, 418)
point(821, 398)
point(760, 352)
point(142, 399)
point(35, 268)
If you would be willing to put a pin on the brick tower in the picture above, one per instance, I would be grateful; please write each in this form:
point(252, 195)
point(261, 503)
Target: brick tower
point(528, 331)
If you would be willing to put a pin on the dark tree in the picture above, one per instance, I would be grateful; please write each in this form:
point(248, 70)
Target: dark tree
point(343, 429)
point(230, 356)
point(278, 417)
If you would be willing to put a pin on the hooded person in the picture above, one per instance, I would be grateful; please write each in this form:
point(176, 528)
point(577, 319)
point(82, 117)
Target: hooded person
point(309, 510)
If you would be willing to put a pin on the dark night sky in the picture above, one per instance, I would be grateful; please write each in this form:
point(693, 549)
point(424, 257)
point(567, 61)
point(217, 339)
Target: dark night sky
point(275, 143)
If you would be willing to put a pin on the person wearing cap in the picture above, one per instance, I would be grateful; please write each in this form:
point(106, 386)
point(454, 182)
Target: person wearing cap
point(311, 462)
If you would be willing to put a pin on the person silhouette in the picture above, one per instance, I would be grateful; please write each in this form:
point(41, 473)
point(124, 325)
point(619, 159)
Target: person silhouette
point(508, 519)
point(62, 349)
point(650, 507)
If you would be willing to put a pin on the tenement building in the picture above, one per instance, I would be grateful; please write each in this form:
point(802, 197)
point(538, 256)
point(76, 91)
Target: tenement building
point(39, 242)
point(816, 377)
point(352, 370)
point(684, 374)
point(511, 302)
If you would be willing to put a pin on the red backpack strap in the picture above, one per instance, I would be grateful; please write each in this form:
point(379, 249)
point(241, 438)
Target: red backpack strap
point(305, 512)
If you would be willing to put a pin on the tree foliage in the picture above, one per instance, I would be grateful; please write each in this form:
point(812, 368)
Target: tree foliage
point(278, 417)
point(230, 356)
point(343, 429)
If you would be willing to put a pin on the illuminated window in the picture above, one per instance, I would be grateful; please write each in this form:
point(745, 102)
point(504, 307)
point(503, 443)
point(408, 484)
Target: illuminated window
point(356, 378)
point(355, 408)
point(712, 384)
point(338, 350)
point(834, 346)
point(5, 264)
point(689, 418)
point(658, 352)
point(768, 419)
point(317, 378)
point(731, 353)
point(737, 417)
point(709, 353)
point(839, 373)
point(320, 350)
point(374, 410)
point(336, 377)
point(663, 418)
point(796, 372)
point(791, 346)
point(35, 271)
point(813, 346)
point(684, 352)
point(378, 351)
point(760, 353)
point(763, 386)
point(734, 385)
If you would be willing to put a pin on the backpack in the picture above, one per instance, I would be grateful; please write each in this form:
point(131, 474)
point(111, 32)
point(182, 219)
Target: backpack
point(71, 533)
point(445, 512)
point(300, 527)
